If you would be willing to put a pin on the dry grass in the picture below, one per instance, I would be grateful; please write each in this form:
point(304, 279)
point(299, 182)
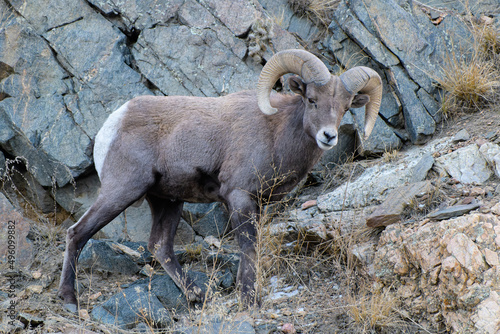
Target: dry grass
point(377, 310)
point(488, 41)
point(471, 83)
point(319, 11)
point(420, 206)
point(390, 156)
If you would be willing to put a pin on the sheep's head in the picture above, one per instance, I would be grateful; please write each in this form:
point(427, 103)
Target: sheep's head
point(326, 97)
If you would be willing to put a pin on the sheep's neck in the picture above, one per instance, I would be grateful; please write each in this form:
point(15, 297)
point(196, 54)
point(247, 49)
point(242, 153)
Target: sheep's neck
point(296, 152)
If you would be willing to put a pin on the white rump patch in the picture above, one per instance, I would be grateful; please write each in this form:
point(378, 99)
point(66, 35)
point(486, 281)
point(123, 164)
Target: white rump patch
point(106, 135)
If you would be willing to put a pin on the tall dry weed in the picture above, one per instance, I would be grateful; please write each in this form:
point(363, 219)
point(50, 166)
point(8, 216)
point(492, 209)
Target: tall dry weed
point(472, 82)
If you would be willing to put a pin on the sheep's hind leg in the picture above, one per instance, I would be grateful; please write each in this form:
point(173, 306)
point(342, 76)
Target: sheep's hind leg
point(107, 206)
point(117, 193)
point(166, 216)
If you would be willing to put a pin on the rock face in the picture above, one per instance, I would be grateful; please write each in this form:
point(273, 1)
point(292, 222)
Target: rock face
point(466, 164)
point(375, 182)
point(400, 39)
point(454, 266)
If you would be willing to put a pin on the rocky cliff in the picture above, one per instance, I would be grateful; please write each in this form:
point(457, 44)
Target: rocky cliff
point(64, 68)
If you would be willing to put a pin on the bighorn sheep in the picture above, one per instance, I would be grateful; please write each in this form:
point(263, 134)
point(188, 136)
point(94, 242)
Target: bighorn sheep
point(177, 149)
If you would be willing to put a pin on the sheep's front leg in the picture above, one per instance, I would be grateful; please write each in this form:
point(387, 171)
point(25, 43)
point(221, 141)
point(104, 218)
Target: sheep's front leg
point(166, 216)
point(243, 218)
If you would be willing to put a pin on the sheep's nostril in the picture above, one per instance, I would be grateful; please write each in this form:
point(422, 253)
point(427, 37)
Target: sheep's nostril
point(329, 136)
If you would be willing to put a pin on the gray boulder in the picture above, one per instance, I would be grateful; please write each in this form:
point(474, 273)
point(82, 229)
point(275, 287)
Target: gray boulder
point(101, 73)
point(466, 164)
point(58, 67)
point(207, 219)
point(418, 122)
point(106, 256)
point(149, 300)
point(32, 110)
point(132, 306)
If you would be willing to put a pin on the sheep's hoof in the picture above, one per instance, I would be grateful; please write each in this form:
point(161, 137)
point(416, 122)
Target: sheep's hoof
point(195, 295)
point(71, 308)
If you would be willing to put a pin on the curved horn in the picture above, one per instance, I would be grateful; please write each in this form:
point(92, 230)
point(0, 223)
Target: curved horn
point(299, 62)
point(366, 81)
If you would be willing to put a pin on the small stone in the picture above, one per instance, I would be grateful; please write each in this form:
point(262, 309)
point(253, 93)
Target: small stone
point(213, 241)
point(37, 274)
point(477, 191)
point(127, 250)
point(486, 20)
point(309, 204)
point(496, 209)
point(84, 314)
point(434, 14)
point(35, 289)
point(70, 308)
point(490, 135)
point(96, 295)
point(484, 210)
point(461, 135)
point(491, 257)
point(453, 211)
point(467, 200)
point(288, 328)
point(147, 270)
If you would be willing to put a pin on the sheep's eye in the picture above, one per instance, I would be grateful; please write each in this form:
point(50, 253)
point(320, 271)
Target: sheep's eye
point(311, 101)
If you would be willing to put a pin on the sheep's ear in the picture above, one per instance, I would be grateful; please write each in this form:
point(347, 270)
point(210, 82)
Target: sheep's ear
point(297, 85)
point(360, 100)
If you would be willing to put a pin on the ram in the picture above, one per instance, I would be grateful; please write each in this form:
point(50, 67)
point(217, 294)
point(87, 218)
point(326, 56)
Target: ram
point(176, 149)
